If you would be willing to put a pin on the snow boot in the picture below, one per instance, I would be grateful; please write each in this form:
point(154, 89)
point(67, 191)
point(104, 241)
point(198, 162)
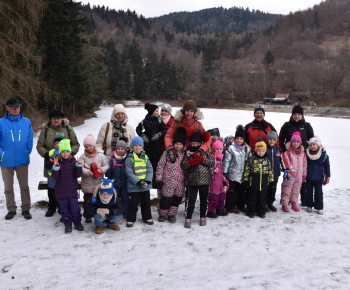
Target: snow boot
point(79, 227)
point(49, 213)
point(68, 229)
point(212, 215)
point(129, 224)
point(10, 215)
point(172, 219)
point(285, 208)
point(98, 230)
point(267, 209)
point(272, 208)
point(309, 209)
point(26, 214)
point(187, 223)
point(115, 227)
point(243, 209)
point(203, 221)
point(162, 218)
point(149, 222)
point(320, 211)
point(222, 212)
point(88, 220)
point(295, 207)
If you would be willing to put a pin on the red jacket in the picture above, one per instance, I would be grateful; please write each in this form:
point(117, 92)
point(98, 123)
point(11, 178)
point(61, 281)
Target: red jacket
point(256, 129)
point(170, 122)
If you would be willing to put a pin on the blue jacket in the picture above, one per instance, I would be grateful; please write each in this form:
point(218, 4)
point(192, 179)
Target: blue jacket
point(317, 169)
point(275, 156)
point(16, 140)
point(117, 173)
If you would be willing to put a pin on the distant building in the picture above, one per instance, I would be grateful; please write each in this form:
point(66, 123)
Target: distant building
point(279, 99)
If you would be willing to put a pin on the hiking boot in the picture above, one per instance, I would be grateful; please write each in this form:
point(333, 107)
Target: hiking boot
point(295, 207)
point(26, 214)
point(129, 224)
point(309, 209)
point(68, 229)
point(285, 208)
point(243, 209)
point(250, 215)
point(234, 210)
point(88, 220)
point(149, 222)
point(115, 227)
point(10, 215)
point(172, 219)
point(162, 218)
point(262, 216)
point(212, 215)
point(79, 227)
point(187, 223)
point(222, 212)
point(203, 221)
point(98, 230)
point(272, 208)
point(267, 209)
point(49, 213)
point(320, 211)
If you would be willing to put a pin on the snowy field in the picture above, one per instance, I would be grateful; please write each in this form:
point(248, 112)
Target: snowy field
point(283, 251)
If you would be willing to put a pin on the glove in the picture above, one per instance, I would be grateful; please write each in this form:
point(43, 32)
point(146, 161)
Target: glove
point(271, 185)
point(326, 180)
point(94, 168)
point(56, 152)
point(155, 137)
point(294, 174)
point(142, 184)
point(246, 184)
point(193, 161)
point(287, 174)
point(201, 159)
point(199, 152)
point(172, 155)
point(145, 138)
point(304, 179)
point(102, 211)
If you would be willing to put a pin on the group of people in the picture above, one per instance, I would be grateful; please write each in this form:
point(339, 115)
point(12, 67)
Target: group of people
point(173, 154)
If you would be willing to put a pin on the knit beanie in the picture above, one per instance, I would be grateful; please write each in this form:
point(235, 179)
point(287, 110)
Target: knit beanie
point(118, 108)
point(298, 109)
point(295, 137)
point(271, 135)
point(64, 145)
point(214, 132)
point(260, 145)
point(217, 145)
point(58, 138)
point(197, 137)
point(137, 141)
point(316, 140)
point(259, 108)
point(166, 107)
point(56, 113)
point(189, 105)
point(90, 140)
point(180, 136)
point(240, 132)
point(150, 108)
point(121, 143)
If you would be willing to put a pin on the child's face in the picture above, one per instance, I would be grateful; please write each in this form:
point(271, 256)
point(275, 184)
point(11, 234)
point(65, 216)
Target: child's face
point(89, 148)
point(65, 154)
point(189, 114)
point(271, 142)
point(195, 144)
point(105, 195)
point(218, 151)
point(296, 144)
point(239, 141)
point(313, 146)
point(120, 151)
point(156, 113)
point(231, 140)
point(178, 146)
point(137, 148)
point(55, 145)
point(260, 152)
point(214, 138)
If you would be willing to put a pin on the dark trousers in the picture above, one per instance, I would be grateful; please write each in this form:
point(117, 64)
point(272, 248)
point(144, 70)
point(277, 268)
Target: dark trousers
point(192, 197)
point(123, 194)
point(303, 194)
point(70, 210)
point(145, 198)
point(53, 203)
point(256, 201)
point(87, 197)
point(235, 196)
point(271, 192)
point(312, 200)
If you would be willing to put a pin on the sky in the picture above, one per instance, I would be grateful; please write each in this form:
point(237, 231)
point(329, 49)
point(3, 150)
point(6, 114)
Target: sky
point(153, 8)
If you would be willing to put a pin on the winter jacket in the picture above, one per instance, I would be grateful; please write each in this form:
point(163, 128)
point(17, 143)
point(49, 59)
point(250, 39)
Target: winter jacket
point(117, 172)
point(123, 130)
point(115, 207)
point(48, 165)
point(66, 175)
point(277, 159)
point(16, 140)
point(199, 174)
point(48, 134)
point(256, 129)
point(191, 126)
point(318, 165)
point(130, 172)
point(89, 182)
point(298, 163)
point(170, 174)
point(168, 125)
point(217, 178)
point(258, 172)
point(234, 162)
point(288, 128)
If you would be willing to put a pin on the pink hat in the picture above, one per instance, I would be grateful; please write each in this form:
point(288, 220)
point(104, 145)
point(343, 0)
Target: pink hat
point(296, 137)
point(217, 145)
point(90, 140)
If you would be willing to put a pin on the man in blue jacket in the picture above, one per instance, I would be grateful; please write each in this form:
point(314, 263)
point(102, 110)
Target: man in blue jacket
point(16, 143)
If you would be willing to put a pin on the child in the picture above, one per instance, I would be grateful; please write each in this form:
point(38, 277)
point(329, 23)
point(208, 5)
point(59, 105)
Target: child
point(117, 172)
point(236, 157)
point(228, 141)
point(172, 178)
point(95, 164)
point(278, 161)
point(257, 176)
point(198, 175)
point(105, 206)
point(139, 172)
point(65, 171)
point(296, 159)
point(318, 173)
point(217, 193)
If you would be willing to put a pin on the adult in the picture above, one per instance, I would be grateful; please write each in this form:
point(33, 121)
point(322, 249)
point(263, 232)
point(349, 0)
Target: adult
point(297, 123)
point(257, 128)
point(167, 118)
point(115, 130)
point(57, 126)
point(16, 144)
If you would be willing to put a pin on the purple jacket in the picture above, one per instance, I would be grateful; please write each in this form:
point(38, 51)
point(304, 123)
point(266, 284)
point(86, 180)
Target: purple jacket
point(66, 177)
point(217, 179)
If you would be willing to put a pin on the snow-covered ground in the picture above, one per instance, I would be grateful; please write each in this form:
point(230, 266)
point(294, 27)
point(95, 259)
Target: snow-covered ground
point(283, 251)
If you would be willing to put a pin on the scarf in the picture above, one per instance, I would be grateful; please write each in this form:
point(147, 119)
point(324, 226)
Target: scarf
point(314, 155)
point(165, 119)
point(238, 147)
point(89, 155)
point(106, 200)
point(120, 133)
point(297, 151)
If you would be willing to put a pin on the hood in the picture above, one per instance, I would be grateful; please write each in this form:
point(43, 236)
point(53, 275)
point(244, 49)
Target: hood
point(179, 115)
point(65, 123)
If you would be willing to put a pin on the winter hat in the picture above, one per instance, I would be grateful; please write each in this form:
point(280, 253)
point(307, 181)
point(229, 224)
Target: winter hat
point(137, 141)
point(166, 107)
point(56, 113)
point(260, 145)
point(214, 132)
point(316, 140)
point(259, 108)
point(271, 135)
point(58, 138)
point(217, 145)
point(240, 132)
point(118, 108)
point(197, 137)
point(180, 136)
point(150, 108)
point(13, 102)
point(295, 137)
point(189, 105)
point(106, 187)
point(298, 109)
point(90, 140)
point(64, 145)
point(121, 143)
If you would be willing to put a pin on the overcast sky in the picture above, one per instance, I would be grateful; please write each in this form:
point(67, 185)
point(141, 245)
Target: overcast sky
point(152, 8)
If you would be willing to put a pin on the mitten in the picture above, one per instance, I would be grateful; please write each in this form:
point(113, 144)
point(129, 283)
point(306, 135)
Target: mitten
point(287, 174)
point(294, 174)
point(145, 138)
point(155, 137)
point(94, 168)
point(142, 184)
point(201, 159)
point(326, 180)
point(56, 152)
point(172, 155)
point(199, 152)
point(102, 211)
point(304, 179)
point(193, 161)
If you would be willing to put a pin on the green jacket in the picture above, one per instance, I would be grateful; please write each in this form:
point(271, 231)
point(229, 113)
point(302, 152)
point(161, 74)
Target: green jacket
point(258, 172)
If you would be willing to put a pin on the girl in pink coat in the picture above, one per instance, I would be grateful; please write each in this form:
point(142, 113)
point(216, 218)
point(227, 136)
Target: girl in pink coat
point(296, 158)
point(217, 193)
